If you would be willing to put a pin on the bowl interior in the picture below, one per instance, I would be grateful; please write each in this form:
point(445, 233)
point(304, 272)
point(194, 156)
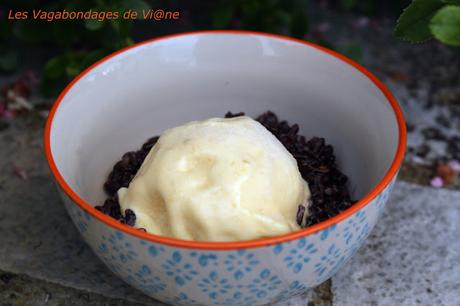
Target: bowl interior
point(138, 93)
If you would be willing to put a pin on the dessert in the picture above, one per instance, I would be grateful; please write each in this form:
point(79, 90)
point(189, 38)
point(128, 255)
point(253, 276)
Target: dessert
point(207, 202)
point(217, 180)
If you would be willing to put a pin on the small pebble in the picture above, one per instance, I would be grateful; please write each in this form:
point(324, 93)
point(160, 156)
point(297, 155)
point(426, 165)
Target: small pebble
point(410, 127)
point(43, 114)
point(443, 121)
point(398, 76)
point(3, 125)
point(446, 173)
point(433, 133)
point(422, 150)
point(453, 146)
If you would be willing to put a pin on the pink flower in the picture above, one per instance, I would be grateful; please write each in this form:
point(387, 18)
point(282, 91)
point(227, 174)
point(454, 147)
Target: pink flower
point(7, 114)
point(437, 182)
point(454, 165)
point(324, 4)
point(31, 77)
point(323, 27)
point(361, 22)
point(21, 172)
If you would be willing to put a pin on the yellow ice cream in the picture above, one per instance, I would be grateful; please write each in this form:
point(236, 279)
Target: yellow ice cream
point(217, 180)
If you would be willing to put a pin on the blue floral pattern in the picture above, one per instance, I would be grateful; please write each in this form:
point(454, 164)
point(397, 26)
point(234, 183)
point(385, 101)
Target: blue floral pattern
point(82, 226)
point(324, 234)
point(330, 262)
point(299, 256)
point(353, 226)
point(295, 288)
point(264, 284)
point(154, 251)
point(121, 247)
point(213, 285)
point(382, 198)
point(205, 259)
point(147, 281)
point(82, 223)
point(257, 276)
point(240, 263)
point(180, 270)
point(115, 251)
point(182, 299)
point(361, 236)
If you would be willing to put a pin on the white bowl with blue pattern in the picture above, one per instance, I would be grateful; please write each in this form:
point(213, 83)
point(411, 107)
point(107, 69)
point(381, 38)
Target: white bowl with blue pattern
point(116, 104)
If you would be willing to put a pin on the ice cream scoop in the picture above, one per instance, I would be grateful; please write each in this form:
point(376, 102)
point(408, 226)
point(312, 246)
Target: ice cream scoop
point(217, 180)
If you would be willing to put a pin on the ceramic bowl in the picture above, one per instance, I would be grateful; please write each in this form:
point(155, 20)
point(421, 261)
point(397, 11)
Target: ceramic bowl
point(135, 93)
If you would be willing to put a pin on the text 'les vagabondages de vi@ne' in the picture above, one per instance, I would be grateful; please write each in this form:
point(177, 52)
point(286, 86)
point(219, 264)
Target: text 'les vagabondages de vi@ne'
point(150, 14)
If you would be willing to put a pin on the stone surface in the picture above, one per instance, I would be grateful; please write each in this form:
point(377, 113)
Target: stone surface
point(23, 290)
point(38, 238)
point(411, 257)
point(423, 77)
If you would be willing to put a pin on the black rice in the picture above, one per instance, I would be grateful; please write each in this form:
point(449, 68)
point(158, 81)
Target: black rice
point(315, 158)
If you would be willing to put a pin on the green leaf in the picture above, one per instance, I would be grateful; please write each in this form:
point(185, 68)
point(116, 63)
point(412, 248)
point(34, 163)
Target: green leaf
point(413, 24)
point(93, 25)
point(72, 69)
point(251, 6)
point(454, 2)
point(136, 5)
point(352, 51)
point(59, 35)
point(8, 60)
point(445, 25)
point(55, 67)
point(348, 4)
point(284, 18)
point(128, 42)
point(52, 87)
point(30, 31)
point(324, 43)
point(121, 28)
point(369, 8)
point(93, 57)
point(222, 17)
point(5, 28)
point(299, 24)
point(116, 24)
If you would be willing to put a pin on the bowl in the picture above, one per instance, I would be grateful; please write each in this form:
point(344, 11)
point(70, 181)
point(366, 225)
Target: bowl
point(122, 100)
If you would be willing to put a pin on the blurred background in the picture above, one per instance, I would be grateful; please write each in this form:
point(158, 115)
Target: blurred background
point(61, 49)
point(38, 58)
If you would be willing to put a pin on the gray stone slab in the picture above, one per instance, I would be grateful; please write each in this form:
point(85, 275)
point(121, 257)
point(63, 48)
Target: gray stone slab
point(37, 236)
point(22, 290)
point(413, 253)
point(412, 257)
